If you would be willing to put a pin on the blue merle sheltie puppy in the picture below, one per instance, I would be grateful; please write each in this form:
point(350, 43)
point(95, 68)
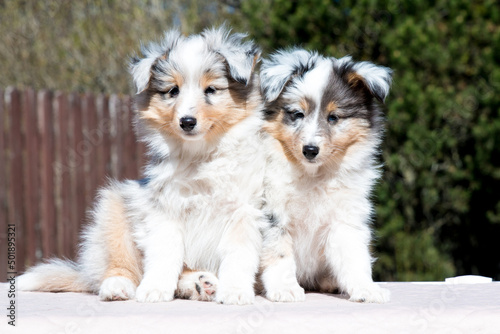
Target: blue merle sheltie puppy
point(198, 109)
point(325, 124)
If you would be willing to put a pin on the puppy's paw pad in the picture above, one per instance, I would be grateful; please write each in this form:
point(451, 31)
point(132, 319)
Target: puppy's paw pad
point(235, 296)
point(371, 294)
point(148, 293)
point(287, 294)
point(117, 288)
point(208, 286)
point(197, 285)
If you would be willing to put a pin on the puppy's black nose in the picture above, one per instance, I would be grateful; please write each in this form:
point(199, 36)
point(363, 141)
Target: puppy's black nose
point(188, 123)
point(310, 152)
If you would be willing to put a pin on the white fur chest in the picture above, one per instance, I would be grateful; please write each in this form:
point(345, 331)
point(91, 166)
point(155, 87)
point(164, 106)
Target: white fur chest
point(204, 194)
point(310, 207)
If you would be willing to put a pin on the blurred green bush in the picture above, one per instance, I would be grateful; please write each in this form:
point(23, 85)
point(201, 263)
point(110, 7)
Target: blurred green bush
point(438, 203)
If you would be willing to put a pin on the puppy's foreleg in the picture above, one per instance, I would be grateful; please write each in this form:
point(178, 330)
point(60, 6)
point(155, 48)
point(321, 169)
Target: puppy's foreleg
point(163, 260)
point(278, 268)
point(239, 250)
point(347, 251)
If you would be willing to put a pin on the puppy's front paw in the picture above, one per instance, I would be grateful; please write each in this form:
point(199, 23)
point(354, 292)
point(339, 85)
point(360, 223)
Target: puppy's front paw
point(293, 293)
point(150, 291)
point(370, 294)
point(235, 296)
point(117, 288)
point(197, 286)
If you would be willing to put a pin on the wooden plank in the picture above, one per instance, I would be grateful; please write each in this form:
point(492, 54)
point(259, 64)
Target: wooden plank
point(57, 170)
point(48, 218)
point(64, 174)
point(107, 126)
point(94, 137)
point(31, 175)
point(116, 141)
point(123, 119)
point(3, 189)
point(84, 149)
point(73, 162)
point(78, 163)
point(15, 144)
point(100, 165)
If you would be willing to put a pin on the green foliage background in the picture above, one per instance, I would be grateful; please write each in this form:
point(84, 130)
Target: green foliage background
point(438, 204)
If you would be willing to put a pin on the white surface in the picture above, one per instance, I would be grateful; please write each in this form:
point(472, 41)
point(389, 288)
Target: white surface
point(414, 308)
point(468, 279)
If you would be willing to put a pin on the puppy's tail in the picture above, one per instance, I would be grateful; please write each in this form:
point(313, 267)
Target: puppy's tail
point(54, 276)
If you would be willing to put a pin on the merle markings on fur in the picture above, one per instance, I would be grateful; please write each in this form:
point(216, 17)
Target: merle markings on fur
point(198, 110)
point(325, 125)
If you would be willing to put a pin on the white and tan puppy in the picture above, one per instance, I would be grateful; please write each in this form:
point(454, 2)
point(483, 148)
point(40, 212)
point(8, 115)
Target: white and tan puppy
point(325, 125)
point(198, 109)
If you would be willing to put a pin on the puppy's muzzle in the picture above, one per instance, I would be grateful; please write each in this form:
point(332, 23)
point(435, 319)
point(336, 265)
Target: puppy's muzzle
point(187, 123)
point(310, 151)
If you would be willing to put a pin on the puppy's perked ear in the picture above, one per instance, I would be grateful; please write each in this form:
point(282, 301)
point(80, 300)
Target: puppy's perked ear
point(282, 67)
point(377, 79)
point(140, 67)
point(240, 56)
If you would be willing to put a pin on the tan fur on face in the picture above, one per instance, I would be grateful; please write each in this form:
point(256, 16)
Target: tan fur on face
point(230, 106)
point(233, 110)
point(333, 148)
point(124, 258)
point(305, 105)
point(208, 78)
point(158, 114)
point(330, 108)
point(284, 135)
point(340, 144)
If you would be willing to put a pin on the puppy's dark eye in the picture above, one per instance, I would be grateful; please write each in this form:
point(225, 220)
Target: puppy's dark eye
point(295, 115)
point(174, 91)
point(333, 119)
point(210, 90)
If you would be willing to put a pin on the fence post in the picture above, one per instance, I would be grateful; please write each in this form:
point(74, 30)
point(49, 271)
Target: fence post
point(32, 183)
point(3, 190)
point(78, 164)
point(48, 221)
point(63, 175)
point(92, 138)
point(117, 146)
point(16, 203)
point(102, 150)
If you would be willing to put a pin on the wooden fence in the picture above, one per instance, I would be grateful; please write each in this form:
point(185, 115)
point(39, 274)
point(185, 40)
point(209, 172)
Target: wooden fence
point(56, 150)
